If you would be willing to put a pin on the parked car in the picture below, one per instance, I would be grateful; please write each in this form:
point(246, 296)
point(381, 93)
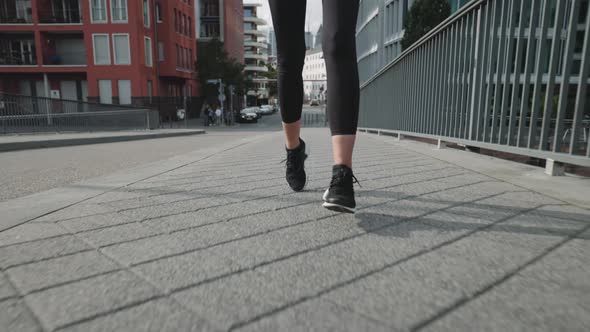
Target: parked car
point(257, 110)
point(247, 115)
point(267, 109)
point(314, 102)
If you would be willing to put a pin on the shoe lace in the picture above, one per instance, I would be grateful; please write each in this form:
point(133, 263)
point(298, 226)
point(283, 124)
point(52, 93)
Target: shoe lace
point(340, 178)
point(292, 161)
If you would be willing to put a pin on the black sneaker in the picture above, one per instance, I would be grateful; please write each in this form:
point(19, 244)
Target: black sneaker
point(340, 196)
point(296, 177)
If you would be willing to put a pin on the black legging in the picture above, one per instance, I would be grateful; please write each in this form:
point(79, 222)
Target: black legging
point(339, 46)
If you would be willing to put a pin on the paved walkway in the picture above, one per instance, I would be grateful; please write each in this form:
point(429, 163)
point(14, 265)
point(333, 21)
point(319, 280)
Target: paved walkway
point(43, 140)
point(220, 243)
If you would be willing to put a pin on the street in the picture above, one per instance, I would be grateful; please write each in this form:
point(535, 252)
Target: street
point(31, 171)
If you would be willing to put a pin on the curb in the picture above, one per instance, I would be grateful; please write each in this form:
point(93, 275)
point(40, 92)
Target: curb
point(53, 143)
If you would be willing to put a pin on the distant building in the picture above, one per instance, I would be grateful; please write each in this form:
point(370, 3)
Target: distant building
point(318, 38)
point(122, 52)
point(380, 32)
point(456, 4)
point(255, 55)
point(223, 20)
point(272, 43)
point(314, 76)
point(308, 40)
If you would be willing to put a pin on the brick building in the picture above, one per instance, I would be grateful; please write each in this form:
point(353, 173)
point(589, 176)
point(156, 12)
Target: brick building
point(223, 20)
point(112, 51)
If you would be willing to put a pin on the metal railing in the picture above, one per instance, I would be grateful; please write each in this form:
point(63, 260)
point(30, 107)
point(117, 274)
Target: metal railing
point(510, 76)
point(19, 114)
point(62, 16)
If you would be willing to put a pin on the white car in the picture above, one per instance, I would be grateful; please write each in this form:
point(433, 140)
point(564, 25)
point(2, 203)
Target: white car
point(267, 110)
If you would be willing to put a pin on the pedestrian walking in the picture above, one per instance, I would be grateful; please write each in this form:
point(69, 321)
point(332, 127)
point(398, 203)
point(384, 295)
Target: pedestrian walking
point(218, 115)
point(339, 46)
point(205, 112)
point(211, 116)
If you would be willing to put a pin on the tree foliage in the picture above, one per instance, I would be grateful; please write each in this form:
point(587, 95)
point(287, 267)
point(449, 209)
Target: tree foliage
point(422, 17)
point(213, 62)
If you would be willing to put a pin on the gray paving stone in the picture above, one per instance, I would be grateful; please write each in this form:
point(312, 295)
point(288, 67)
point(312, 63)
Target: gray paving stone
point(417, 289)
point(29, 232)
point(315, 315)
point(568, 267)
point(161, 315)
point(241, 226)
point(280, 244)
point(116, 195)
point(35, 276)
point(175, 208)
point(76, 211)
point(14, 316)
point(231, 300)
point(39, 250)
point(71, 303)
point(94, 222)
point(6, 289)
point(318, 271)
point(180, 271)
point(521, 304)
point(117, 234)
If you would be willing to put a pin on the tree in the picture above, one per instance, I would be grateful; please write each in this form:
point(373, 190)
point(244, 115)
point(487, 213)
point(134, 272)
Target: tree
point(213, 62)
point(272, 75)
point(422, 17)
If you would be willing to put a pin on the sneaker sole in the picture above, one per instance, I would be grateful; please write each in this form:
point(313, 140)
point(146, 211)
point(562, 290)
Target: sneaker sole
point(338, 208)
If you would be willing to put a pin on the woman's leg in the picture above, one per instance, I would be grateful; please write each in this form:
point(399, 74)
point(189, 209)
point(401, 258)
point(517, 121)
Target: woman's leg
point(288, 18)
point(289, 24)
point(339, 46)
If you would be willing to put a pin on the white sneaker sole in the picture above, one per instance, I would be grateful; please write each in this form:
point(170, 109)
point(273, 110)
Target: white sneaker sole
point(336, 207)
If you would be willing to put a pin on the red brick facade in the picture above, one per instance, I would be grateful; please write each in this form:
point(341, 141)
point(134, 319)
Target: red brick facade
point(234, 29)
point(64, 48)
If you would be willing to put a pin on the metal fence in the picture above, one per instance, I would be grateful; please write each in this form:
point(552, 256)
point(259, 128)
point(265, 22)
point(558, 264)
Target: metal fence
point(315, 118)
point(21, 114)
point(505, 75)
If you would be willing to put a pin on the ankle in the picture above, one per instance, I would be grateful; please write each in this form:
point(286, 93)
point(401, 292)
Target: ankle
point(293, 145)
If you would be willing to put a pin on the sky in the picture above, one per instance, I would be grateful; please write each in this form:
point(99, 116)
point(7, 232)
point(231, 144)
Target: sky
point(313, 17)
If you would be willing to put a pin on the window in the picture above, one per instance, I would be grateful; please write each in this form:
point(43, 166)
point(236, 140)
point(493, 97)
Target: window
point(105, 91)
point(101, 49)
point(121, 49)
point(150, 90)
point(160, 51)
point(98, 11)
point(175, 21)
point(177, 56)
point(146, 13)
point(124, 92)
point(183, 27)
point(148, 51)
point(190, 59)
point(119, 10)
point(190, 27)
point(159, 13)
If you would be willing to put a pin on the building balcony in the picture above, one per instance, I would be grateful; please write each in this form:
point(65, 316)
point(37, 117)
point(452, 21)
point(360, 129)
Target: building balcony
point(16, 12)
point(255, 32)
point(64, 50)
point(256, 44)
point(209, 30)
point(61, 12)
point(17, 50)
point(209, 8)
point(255, 20)
point(263, 57)
point(255, 68)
